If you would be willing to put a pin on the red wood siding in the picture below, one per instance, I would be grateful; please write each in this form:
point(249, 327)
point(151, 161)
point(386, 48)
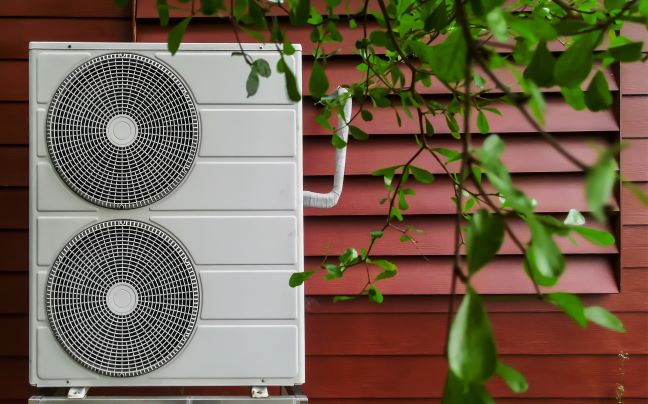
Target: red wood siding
point(359, 353)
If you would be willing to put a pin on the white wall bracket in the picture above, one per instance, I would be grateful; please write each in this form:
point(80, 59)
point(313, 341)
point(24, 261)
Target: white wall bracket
point(260, 392)
point(330, 199)
point(78, 392)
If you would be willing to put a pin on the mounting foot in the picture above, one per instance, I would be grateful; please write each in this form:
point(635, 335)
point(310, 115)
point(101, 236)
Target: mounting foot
point(78, 392)
point(260, 392)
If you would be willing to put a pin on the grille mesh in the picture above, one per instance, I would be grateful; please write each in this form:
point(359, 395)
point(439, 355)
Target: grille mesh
point(129, 96)
point(98, 322)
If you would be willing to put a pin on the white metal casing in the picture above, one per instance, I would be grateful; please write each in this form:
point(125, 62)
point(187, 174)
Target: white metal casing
point(238, 214)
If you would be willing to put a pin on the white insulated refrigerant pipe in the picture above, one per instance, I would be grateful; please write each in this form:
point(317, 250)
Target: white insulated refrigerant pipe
point(328, 200)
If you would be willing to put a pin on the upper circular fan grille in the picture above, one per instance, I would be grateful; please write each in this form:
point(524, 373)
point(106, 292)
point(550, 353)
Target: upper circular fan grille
point(122, 130)
point(122, 298)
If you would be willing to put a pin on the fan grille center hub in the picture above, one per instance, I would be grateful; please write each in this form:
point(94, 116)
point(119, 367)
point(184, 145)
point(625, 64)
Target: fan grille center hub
point(121, 130)
point(122, 299)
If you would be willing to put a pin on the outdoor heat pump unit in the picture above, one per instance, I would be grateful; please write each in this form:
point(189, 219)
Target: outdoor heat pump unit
point(166, 217)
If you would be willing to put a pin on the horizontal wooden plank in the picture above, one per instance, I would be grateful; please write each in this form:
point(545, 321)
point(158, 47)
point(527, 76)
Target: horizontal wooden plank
point(14, 291)
point(418, 334)
point(634, 160)
point(433, 276)
point(14, 163)
point(18, 32)
point(14, 80)
point(634, 285)
point(15, 339)
point(634, 240)
point(632, 210)
point(219, 30)
point(366, 157)
point(374, 377)
point(323, 237)
point(424, 334)
point(15, 244)
point(343, 71)
point(559, 117)
point(14, 205)
point(15, 118)
point(362, 194)
point(634, 79)
point(634, 116)
point(57, 8)
point(330, 236)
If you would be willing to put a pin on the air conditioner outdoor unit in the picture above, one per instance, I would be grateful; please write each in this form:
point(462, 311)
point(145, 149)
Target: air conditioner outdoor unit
point(166, 217)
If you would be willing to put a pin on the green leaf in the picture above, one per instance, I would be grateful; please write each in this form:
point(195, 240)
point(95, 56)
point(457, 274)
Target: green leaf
point(318, 83)
point(540, 69)
point(493, 147)
point(357, 133)
point(643, 8)
point(349, 256)
point(389, 269)
point(380, 38)
point(485, 235)
point(121, 3)
point(574, 218)
point(448, 59)
point(453, 125)
point(343, 298)
point(298, 278)
point(376, 234)
point(421, 175)
point(483, 7)
point(374, 295)
point(598, 96)
point(387, 171)
point(514, 379)
point(338, 142)
point(163, 11)
point(366, 115)
point(451, 155)
point(438, 20)
point(262, 67)
point(599, 182)
point(299, 11)
point(624, 50)
point(604, 318)
point(570, 304)
point(497, 24)
point(482, 123)
point(176, 34)
point(209, 7)
point(252, 83)
point(574, 65)
point(291, 81)
point(574, 96)
point(546, 262)
point(457, 391)
point(471, 347)
point(595, 236)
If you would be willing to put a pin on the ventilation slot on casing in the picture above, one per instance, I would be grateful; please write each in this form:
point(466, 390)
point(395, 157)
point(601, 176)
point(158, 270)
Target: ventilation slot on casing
point(122, 130)
point(122, 298)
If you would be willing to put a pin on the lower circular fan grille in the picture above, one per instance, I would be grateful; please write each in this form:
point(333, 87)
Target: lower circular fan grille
point(122, 298)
